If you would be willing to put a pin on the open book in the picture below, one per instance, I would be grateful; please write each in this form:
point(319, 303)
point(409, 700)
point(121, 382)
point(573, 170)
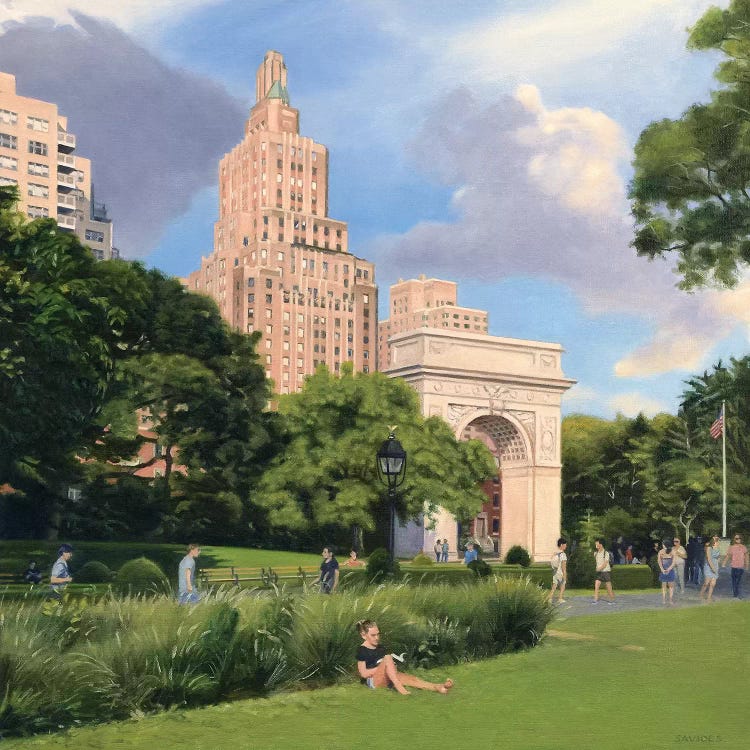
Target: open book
point(395, 657)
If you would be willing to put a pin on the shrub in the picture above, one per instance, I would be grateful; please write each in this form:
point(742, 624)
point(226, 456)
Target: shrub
point(93, 572)
point(380, 566)
point(479, 568)
point(581, 567)
point(632, 577)
point(423, 559)
point(517, 555)
point(142, 576)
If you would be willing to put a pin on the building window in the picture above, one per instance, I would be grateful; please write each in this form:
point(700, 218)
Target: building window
point(38, 212)
point(94, 236)
point(37, 123)
point(8, 181)
point(40, 170)
point(9, 162)
point(38, 191)
point(250, 299)
point(495, 499)
point(36, 147)
point(6, 116)
point(495, 525)
point(8, 141)
point(269, 283)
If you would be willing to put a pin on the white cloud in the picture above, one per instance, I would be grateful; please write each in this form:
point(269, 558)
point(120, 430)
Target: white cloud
point(632, 404)
point(126, 14)
point(537, 192)
point(561, 35)
point(575, 155)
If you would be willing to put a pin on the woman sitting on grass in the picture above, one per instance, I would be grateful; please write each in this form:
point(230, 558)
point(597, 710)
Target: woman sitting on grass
point(377, 669)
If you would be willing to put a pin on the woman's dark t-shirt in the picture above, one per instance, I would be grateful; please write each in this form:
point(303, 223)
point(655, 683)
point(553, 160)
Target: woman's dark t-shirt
point(370, 656)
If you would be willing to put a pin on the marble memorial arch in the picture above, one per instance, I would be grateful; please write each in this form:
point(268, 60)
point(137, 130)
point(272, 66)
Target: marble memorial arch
point(505, 392)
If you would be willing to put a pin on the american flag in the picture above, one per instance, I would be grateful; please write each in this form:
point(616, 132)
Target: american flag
point(717, 428)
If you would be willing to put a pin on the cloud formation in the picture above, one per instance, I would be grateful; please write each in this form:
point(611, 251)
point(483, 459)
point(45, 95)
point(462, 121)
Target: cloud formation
point(154, 133)
point(538, 192)
point(127, 14)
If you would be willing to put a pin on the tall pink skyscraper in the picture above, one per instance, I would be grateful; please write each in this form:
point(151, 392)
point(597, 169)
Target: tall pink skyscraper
point(280, 264)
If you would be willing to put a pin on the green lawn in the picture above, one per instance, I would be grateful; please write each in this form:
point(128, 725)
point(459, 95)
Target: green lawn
point(14, 555)
point(655, 678)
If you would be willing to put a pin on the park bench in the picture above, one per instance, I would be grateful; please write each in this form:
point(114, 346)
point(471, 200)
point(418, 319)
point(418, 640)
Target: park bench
point(262, 576)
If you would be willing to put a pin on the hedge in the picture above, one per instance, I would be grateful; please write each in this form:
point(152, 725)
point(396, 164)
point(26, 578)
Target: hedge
point(624, 577)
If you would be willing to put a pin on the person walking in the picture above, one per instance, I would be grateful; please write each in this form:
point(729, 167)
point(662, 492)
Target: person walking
point(665, 560)
point(679, 554)
point(187, 592)
point(60, 576)
point(559, 564)
point(711, 568)
point(329, 572)
point(446, 550)
point(438, 548)
point(737, 554)
point(603, 571)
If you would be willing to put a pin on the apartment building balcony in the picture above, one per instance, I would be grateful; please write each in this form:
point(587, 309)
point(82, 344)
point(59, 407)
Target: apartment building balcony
point(66, 202)
point(64, 161)
point(66, 142)
point(65, 181)
point(66, 222)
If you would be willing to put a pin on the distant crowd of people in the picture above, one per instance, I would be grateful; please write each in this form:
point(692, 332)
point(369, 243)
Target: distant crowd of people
point(698, 563)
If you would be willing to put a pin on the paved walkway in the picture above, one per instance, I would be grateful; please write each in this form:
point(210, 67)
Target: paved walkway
point(625, 602)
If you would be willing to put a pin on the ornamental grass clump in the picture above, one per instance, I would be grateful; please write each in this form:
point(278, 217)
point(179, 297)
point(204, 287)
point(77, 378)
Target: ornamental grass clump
point(97, 660)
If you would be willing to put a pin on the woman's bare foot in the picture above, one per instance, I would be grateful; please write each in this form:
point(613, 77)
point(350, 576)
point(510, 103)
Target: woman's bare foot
point(445, 687)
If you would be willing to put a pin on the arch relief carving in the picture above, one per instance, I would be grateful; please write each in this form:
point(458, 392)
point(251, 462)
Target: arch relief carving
point(548, 445)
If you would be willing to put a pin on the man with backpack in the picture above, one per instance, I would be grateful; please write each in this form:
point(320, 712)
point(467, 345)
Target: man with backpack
point(603, 571)
point(559, 563)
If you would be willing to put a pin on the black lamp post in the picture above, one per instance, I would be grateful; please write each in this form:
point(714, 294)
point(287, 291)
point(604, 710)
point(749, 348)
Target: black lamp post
point(391, 463)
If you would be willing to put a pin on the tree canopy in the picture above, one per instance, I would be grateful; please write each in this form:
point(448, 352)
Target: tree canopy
point(691, 188)
point(90, 349)
point(327, 475)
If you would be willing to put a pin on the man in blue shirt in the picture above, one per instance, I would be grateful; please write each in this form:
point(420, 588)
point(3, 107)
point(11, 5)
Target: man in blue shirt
point(60, 576)
point(187, 591)
point(471, 554)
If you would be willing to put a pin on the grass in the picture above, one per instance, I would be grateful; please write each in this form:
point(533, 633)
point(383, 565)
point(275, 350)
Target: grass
point(15, 555)
point(643, 679)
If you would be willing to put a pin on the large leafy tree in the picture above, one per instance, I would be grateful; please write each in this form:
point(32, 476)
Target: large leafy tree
point(597, 473)
point(89, 349)
point(326, 474)
point(59, 336)
point(682, 481)
point(691, 189)
point(203, 395)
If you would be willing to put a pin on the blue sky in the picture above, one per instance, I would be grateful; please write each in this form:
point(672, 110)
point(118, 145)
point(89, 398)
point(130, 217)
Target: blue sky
point(488, 143)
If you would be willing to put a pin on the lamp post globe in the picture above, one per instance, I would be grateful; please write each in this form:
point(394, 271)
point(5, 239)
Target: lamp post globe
point(391, 465)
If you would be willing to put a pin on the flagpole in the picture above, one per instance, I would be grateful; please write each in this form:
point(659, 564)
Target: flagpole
point(724, 470)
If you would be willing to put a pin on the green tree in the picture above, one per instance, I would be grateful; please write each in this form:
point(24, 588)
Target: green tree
point(679, 475)
point(326, 473)
point(58, 341)
point(203, 395)
point(597, 473)
point(691, 187)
